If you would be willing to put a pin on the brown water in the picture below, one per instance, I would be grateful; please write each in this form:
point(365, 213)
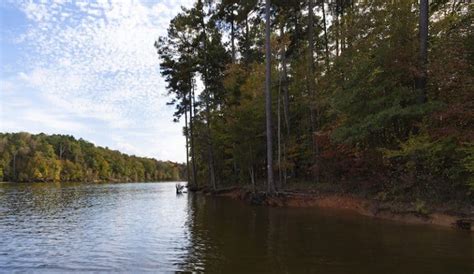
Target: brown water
point(146, 227)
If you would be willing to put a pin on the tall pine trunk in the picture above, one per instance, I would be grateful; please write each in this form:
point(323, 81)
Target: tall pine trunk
point(210, 149)
point(337, 27)
point(268, 101)
point(192, 111)
point(186, 133)
point(326, 41)
point(284, 83)
point(279, 137)
point(423, 25)
point(311, 92)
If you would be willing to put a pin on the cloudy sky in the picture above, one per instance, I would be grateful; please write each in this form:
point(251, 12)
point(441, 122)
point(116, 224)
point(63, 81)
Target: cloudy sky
point(89, 69)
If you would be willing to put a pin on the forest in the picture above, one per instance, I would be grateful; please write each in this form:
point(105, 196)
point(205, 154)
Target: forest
point(371, 97)
point(28, 157)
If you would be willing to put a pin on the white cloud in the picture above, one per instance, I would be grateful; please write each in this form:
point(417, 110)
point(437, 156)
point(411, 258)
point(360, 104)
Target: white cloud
point(54, 122)
point(96, 60)
point(6, 86)
point(36, 11)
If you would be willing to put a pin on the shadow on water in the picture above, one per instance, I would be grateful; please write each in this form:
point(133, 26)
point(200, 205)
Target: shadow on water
point(231, 237)
point(147, 227)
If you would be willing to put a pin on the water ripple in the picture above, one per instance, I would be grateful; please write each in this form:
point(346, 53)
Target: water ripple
point(146, 228)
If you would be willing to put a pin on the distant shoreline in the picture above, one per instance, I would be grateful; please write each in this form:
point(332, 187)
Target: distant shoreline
point(41, 157)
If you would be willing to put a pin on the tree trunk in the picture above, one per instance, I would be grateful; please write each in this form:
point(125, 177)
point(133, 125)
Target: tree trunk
point(423, 24)
point(187, 140)
point(61, 151)
point(247, 31)
point(285, 172)
point(284, 82)
point(245, 51)
point(311, 56)
point(251, 170)
point(191, 111)
point(286, 97)
point(336, 15)
point(268, 101)
point(311, 92)
point(279, 140)
point(326, 41)
point(342, 30)
point(210, 151)
point(252, 178)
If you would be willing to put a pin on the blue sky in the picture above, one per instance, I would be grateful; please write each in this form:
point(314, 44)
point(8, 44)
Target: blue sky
point(89, 69)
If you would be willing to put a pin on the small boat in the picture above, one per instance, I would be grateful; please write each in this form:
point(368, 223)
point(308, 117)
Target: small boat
point(180, 189)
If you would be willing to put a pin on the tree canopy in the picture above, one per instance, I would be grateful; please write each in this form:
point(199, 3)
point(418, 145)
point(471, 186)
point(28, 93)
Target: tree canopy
point(27, 157)
point(346, 93)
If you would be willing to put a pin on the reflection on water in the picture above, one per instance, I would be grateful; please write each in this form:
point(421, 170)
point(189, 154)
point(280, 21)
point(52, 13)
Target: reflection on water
point(146, 227)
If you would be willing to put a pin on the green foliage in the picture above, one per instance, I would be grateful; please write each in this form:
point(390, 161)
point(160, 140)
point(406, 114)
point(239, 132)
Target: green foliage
point(432, 166)
point(363, 127)
point(374, 96)
point(53, 158)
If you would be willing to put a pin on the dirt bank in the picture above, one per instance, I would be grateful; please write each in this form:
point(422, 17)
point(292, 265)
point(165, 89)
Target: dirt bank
point(400, 212)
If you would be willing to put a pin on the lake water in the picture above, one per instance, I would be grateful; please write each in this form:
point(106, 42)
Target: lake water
point(146, 227)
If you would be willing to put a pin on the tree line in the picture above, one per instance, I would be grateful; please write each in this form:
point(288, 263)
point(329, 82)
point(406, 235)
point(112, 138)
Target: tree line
point(28, 157)
point(369, 96)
